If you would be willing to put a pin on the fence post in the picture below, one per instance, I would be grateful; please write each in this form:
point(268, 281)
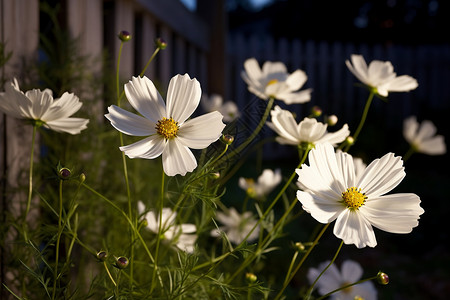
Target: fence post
point(19, 20)
point(213, 12)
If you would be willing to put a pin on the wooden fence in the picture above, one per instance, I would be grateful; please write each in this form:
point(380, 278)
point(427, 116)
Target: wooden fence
point(333, 84)
point(96, 24)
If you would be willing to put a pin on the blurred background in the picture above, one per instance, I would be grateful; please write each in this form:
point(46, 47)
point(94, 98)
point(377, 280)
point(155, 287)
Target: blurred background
point(210, 40)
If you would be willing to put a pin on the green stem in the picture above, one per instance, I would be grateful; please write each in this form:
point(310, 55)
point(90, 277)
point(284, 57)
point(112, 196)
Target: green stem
point(302, 261)
point(280, 193)
point(346, 287)
point(363, 120)
point(255, 132)
point(309, 292)
point(117, 74)
point(30, 178)
point(149, 61)
point(109, 274)
point(408, 154)
point(58, 238)
point(125, 169)
point(158, 240)
point(130, 222)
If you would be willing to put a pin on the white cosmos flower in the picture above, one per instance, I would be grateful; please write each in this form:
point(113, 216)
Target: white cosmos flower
point(165, 125)
point(236, 226)
point(39, 106)
point(266, 182)
point(422, 137)
point(333, 279)
point(380, 76)
point(273, 80)
point(357, 202)
point(182, 235)
point(229, 109)
point(307, 131)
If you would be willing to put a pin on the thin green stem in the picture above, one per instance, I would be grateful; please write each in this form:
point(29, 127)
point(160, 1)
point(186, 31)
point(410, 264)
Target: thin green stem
point(280, 193)
point(299, 265)
point(255, 132)
point(125, 169)
point(408, 154)
point(130, 222)
point(117, 74)
point(149, 61)
point(109, 273)
point(58, 238)
point(158, 239)
point(291, 266)
point(363, 120)
point(309, 292)
point(30, 177)
point(346, 287)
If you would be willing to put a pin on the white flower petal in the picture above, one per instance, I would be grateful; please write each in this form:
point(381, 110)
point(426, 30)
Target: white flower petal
point(178, 159)
point(183, 97)
point(396, 213)
point(382, 175)
point(252, 72)
point(433, 146)
point(351, 271)
point(148, 148)
point(321, 209)
point(335, 137)
point(62, 108)
point(129, 123)
point(352, 228)
point(295, 98)
point(200, 132)
point(296, 80)
point(143, 96)
point(69, 125)
point(402, 83)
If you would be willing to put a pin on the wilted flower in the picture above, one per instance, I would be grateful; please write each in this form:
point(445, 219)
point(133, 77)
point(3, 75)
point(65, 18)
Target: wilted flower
point(379, 76)
point(333, 279)
point(333, 191)
point(307, 131)
point(40, 107)
point(183, 236)
point(422, 137)
point(236, 226)
point(267, 181)
point(274, 81)
point(166, 126)
point(229, 109)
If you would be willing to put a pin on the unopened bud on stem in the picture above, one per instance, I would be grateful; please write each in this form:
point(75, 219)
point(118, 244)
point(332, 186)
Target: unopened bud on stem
point(124, 36)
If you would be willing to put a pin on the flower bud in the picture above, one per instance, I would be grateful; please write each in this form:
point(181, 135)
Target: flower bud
point(250, 277)
point(332, 120)
point(124, 36)
point(316, 111)
point(102, 255)
point(122, 262)
point(160, 43)
point(228, 139)
point(215, 175)
point(350, 140)
point(64, 173)
point(382, 278)
point(299, 246)
point(82, 177)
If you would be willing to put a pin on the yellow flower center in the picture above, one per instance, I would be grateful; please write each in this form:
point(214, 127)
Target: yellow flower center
point(272, 81)
point(168, 128)
point(353, 198)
